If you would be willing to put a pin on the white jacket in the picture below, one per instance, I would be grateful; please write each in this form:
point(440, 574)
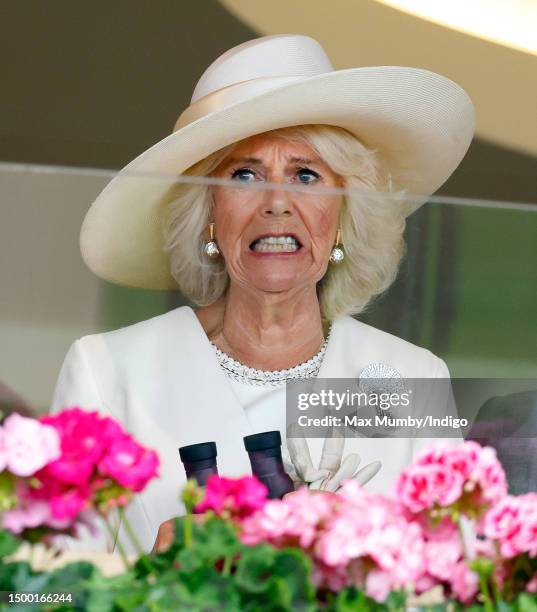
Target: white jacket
point(162, 380)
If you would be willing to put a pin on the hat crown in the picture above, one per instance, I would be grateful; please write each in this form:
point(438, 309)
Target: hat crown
point(269, 56)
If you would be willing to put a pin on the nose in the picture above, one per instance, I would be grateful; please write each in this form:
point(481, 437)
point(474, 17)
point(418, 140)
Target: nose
point(276, 203)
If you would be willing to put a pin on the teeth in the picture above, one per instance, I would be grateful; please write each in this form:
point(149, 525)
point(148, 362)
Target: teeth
point(274, 248)
point(276, 244)
point(277, 240)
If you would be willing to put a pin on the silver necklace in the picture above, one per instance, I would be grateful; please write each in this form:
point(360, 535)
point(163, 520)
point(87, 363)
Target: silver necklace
point(274, 378)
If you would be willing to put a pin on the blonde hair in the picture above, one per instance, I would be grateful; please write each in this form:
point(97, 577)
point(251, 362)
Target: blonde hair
point(371, 227)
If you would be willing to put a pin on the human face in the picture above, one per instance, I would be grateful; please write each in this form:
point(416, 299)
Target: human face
point(242, 216)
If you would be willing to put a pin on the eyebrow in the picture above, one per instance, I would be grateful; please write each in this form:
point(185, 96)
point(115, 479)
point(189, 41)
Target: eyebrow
point(255, 160)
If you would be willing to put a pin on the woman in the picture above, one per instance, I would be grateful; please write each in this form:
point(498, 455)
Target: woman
point(275, 273)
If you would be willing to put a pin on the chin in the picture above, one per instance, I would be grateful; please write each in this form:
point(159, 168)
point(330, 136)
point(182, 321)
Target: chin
point(275, 285)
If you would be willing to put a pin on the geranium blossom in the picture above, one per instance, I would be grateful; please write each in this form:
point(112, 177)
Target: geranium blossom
point(26, 515)
point(129, 463)
point(412, 539)
point(531, 587)
point(464, 583)
point(442, 475)
point(61, 472)
point(80, 462)
point(83, 443)
point(421, 487)
point(26, 445)
point(349, 534)
point(238, 497)
point(512, 522)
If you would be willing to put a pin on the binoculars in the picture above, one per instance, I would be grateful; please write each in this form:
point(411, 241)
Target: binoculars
point(265, 453)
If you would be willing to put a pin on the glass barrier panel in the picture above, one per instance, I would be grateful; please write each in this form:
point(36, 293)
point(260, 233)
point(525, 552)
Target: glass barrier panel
point(465, 287)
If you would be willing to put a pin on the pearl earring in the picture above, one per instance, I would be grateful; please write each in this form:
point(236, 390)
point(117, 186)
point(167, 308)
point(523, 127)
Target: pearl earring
point(337, 255)
point(211, 248)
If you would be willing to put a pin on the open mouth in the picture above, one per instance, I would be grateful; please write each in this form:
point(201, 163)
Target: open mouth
point(287, 243)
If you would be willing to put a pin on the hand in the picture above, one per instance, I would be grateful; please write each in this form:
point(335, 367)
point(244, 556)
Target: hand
point(166, 533)
point(332, 470)
point(165, 536)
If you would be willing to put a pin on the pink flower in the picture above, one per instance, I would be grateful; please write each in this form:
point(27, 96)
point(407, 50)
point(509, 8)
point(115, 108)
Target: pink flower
point(421, 487)
point(443, 475)
point(250, 494)
point(129, 463)
point(531, 587)
point(28, 515)
point(3, 454)
point(89, 442)
point(292, 521)
point(424, 583)
point(53, 504)
point(378, 585)
point(306, 511)
point(341, 542)
point(27, 445)
point(333, 578)
point(503, 523)
point(442, 555)
point(81, 463)
point(529, 524)
point(353, 537)
point(239, 497)
point(488, 475)
point(512, 522)
point(82, 444)
point(67, 505)
point(464, 583)
point(273, 523)
point(65, 501)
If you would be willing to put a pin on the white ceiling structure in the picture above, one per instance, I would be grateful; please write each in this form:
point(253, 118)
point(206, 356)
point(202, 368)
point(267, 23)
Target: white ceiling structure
point(487, 46)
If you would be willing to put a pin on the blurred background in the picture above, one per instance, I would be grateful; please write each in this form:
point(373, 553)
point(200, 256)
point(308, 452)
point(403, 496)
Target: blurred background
point(92, 85)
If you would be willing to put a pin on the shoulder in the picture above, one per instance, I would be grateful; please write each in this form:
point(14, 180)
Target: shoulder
point(149, 331)
point(375, 345)
point(116, 370)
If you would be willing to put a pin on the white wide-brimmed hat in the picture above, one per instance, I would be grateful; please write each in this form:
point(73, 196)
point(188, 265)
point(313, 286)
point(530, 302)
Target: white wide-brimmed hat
point(419, 122)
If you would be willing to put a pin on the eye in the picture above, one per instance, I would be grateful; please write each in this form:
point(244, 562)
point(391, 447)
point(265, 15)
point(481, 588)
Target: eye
point(305, 175)
point(244, 175)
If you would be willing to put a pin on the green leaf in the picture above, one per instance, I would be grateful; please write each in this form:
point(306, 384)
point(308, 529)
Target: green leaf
point(526, 603)
point(255, 567)
point(21, 574)
point(216, 539)
point(273, 579)
point(350, 600)
point(501, 606)
point(102, 594)
point(8, 544)
point(190, 560)
point(212, 540)
point(396, 600)
point(293, 566)
point(72, 573)
point(202, 590)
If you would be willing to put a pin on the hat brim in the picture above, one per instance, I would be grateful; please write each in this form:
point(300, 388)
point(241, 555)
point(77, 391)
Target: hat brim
point(419, 122)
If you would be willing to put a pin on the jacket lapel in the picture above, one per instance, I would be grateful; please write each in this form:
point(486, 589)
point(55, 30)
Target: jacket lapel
point(340, 359)
point(218, 411)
